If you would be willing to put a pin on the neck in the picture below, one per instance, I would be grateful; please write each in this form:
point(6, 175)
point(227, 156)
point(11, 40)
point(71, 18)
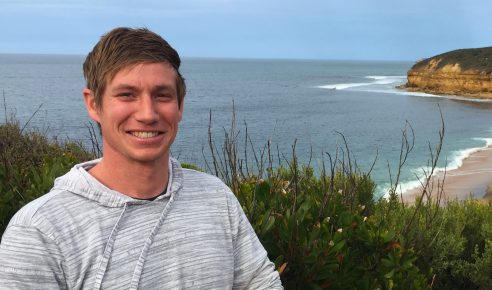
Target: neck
point(132, 178)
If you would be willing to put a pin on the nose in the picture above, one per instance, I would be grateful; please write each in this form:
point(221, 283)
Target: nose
point(146, 112)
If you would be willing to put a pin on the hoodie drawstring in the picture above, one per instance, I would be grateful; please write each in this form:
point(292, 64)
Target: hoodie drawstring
point(143, 254)
point(103, 264)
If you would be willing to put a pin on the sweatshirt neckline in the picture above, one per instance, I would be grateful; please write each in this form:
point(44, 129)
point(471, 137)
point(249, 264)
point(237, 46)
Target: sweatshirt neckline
point(79, 181)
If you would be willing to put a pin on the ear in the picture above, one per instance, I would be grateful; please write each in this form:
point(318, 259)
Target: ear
point(90, 104)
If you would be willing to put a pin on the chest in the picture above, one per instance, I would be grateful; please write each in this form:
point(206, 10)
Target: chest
point(190, 247)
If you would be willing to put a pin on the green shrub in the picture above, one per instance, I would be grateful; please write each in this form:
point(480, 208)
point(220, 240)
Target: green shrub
point(29, 164)
point(320, 240)
point(456, 245)
point(480, 271)
point(450, 242)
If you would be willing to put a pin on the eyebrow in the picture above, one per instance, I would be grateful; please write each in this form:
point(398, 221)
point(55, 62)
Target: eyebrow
point(158, 88)
point(162, 88)
point(124, 87)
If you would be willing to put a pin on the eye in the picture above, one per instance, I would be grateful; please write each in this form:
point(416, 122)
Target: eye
point(164, 96)
point(126, 95)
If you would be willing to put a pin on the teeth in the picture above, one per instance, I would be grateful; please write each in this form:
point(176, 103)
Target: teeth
point(144, 134)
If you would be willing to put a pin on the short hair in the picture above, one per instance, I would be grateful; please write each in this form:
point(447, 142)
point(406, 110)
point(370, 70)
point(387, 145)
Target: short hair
point(123, 47)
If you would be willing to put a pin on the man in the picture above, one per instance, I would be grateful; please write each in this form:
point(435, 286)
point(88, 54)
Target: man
point(134, 219)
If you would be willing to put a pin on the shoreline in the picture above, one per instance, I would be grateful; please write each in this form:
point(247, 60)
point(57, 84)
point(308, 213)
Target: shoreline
point(463, 95)
point(472, 179)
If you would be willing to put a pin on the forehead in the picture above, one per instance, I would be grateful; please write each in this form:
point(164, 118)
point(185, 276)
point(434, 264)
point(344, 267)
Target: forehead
point(144, 73)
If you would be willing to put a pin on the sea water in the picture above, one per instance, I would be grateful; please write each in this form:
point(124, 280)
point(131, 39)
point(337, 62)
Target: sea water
point(312, 103)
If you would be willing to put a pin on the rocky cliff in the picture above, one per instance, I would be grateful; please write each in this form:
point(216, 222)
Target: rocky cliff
point(463, 72)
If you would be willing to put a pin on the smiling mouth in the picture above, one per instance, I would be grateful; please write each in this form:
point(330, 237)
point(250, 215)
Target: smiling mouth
point(140, 134)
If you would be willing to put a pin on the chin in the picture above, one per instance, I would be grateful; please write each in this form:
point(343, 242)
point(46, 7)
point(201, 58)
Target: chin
point(150, 157)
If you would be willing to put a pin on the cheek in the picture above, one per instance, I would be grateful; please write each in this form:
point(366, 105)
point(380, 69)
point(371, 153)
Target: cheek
point(117, 114)
point(171, 115)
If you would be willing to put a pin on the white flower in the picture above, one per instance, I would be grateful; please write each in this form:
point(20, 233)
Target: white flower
point(286, 184)
point(365, 218)
point(340, 230)
point(331, 243)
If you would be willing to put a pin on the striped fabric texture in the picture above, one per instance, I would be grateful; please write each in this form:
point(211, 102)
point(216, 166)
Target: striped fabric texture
point(83, 235)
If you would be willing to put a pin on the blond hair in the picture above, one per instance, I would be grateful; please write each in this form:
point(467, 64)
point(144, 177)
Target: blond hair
point(123, 47)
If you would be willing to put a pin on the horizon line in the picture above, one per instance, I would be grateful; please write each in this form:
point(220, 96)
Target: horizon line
point(184, 57)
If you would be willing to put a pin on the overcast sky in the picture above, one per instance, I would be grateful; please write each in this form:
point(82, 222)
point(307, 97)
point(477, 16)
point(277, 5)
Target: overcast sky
point(308, 29)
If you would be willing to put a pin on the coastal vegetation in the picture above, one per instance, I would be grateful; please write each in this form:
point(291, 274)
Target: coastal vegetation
point(323, 231)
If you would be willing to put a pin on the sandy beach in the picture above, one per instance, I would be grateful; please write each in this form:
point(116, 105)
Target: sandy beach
point(472, 178)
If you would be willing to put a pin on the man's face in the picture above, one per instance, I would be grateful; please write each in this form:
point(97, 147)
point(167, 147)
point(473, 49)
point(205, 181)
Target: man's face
point(139, 114)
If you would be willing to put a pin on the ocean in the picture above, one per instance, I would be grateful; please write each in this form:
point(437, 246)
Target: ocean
point(311, 103)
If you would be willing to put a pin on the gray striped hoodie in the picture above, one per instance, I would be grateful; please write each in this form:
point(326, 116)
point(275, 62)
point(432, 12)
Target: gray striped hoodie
point(83, 235)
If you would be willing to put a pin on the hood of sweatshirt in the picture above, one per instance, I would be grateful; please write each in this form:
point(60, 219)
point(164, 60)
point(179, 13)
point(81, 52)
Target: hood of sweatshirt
point(80, 182)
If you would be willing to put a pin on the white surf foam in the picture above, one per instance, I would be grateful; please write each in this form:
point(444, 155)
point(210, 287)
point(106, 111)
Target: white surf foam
point(488, 141)
point(377, 80)
point(456, 157)
point(343, 86)
point(427, 95)
point(380, 85)
point(459, 156)
point(451, 97)
point(387, 79)
point(403, 187)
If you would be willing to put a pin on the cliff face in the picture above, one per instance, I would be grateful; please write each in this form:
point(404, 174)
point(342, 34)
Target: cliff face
point(464, 72)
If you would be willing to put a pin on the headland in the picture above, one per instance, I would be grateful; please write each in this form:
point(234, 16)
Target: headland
point(463, 72)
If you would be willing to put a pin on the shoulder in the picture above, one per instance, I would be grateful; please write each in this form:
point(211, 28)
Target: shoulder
point(28, 213)
point(205, 190)
point(203, 181)
point(40, 212)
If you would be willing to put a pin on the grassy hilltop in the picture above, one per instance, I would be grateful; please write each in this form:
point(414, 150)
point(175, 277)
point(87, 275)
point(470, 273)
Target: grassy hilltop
point(476, 59)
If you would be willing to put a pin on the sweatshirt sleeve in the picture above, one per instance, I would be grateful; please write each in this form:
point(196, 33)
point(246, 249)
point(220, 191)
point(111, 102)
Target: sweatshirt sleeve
point(252, 268)
point(29, 260)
